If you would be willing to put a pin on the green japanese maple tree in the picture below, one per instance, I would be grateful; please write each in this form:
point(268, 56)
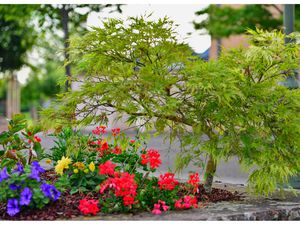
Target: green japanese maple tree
point(138, 67)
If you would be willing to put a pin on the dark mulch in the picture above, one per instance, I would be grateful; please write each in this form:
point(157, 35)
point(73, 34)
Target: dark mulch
point(67, 206)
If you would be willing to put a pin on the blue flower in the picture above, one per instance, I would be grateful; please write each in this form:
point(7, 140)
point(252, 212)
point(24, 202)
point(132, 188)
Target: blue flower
point(3, 174)
point(14, 187)
point(19, 169)
point(50, 191)
point(12, 207)
point(35, 174)
point(26, 196)
point(37, 166)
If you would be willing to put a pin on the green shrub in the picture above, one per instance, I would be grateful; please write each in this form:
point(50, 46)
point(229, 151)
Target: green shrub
point(139, 68)
point(20, 143)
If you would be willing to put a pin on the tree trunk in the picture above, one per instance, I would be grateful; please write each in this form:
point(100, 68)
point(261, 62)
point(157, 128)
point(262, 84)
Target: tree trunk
point(13, 96)
point(210, 170)
point(65, 21)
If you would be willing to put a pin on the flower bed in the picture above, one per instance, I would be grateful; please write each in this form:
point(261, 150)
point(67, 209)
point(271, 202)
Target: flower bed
point(93, 174)
point(67, 206)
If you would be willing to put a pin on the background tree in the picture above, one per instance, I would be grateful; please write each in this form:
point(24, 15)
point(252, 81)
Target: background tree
point(225, 20)
point(70, 19)
point(16, 40)
point(139, 68)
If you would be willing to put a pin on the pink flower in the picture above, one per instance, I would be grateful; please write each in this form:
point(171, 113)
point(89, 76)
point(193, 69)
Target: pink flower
point(156, 209)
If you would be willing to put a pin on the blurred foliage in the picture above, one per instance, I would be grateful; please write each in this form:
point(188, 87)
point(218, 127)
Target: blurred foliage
point(17, 36)
point(224, 20)
point(38, 28)
point(42, 85)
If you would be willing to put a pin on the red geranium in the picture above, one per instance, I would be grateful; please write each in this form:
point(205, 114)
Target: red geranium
point(125, 185)
point(115, 131)
point(128, 200)
point(153, 157)
point(99, 130)
point(107, 168)
point(103, 148)
point(117, 150)
point(167, 181)
point(88, 206)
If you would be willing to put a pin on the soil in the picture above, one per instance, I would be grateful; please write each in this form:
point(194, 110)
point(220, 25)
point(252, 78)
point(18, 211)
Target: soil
point(67, 206)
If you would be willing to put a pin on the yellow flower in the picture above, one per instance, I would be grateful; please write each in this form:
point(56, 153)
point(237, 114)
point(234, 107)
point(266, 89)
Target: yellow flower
point(62, 164)
point(79, 165)
point(92, 166)
point(75, 170)
point(86, 170)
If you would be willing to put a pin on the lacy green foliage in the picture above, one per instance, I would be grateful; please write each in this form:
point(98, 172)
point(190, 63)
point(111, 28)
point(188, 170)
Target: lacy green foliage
point(19, 143)
point(224, 21)
point(139, 68)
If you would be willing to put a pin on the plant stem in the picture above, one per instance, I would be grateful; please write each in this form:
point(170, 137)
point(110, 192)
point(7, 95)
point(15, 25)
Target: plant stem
point(209, 173)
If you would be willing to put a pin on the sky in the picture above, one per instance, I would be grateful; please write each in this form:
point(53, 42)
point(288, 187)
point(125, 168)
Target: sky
point(182, 14)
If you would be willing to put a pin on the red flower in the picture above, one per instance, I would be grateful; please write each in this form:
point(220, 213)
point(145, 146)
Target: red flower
point(88, 206)
point(132, 141)
point(186, 203)
point(117, 150)
point(167, 181)
point(128, 200)
point(103, 148)
point(152, 157)
point(99, 130)
point(37, 139)
point(125, 185)
point(107, 168)
point(115, 131)
point(194, 181)
point(178, 204)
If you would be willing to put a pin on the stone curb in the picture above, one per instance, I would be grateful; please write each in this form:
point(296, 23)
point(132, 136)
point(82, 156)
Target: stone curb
point(257, 210)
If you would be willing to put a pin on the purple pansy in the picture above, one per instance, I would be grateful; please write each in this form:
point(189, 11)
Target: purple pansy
point(35, 174)
point(19, 169)
point(14, 187)
point(3, 174)
point(37, 166)
point(26, 196)
point(12, 207)
point(50, 191)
